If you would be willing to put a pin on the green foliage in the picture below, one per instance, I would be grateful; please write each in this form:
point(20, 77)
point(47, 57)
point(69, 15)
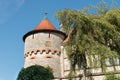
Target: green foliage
point(35, 73)
point(102, 7)
point(91, 35)
point(93, 39)
point(112, 77)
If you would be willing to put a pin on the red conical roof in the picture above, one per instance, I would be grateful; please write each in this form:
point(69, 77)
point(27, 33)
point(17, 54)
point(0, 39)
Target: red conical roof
point(45, 24)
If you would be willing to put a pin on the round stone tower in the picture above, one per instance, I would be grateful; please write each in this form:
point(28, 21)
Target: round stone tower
point(42, 46)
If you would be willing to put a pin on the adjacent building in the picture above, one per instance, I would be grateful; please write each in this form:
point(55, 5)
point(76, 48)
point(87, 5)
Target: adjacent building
point(44, 46)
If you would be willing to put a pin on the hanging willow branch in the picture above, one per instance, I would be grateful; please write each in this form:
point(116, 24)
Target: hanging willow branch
point(91, 34)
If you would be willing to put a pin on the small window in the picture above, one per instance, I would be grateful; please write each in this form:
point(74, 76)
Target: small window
point(48, 44)
point(33, 36)
point(48, 56)
point(33, 57)
point(49, 35)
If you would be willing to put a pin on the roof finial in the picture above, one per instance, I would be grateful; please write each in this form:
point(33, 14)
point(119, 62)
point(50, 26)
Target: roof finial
point(45, 16)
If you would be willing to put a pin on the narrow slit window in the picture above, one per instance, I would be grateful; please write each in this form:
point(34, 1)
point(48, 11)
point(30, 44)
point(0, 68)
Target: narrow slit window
point(33, 36)
point(49, 35)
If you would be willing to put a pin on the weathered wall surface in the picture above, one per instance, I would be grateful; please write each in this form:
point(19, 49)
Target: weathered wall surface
point(39, 41)
point(44, 49)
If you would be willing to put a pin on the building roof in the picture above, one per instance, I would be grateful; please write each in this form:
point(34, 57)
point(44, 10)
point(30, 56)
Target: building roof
point(45, 24)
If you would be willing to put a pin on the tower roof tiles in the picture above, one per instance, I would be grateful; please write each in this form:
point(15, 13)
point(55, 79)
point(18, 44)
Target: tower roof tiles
point(45, 24)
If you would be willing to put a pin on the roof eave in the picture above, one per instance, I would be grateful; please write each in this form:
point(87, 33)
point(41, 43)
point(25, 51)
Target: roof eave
point(43, 30)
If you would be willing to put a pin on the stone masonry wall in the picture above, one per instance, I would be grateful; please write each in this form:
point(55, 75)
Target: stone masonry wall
point(44, 49)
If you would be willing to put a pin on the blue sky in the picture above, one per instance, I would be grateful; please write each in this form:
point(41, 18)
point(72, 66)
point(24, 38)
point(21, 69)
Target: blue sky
point(20, 16)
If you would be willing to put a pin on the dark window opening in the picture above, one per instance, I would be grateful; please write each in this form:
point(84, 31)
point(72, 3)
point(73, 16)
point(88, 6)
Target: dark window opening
point(49, 35)
point(32, 58)
point(48, 56)
point(33, 36)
